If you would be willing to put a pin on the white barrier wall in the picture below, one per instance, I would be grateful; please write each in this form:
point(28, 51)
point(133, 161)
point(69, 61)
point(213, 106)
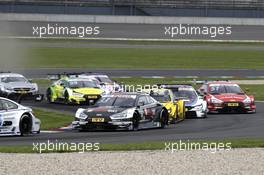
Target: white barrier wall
point(130, 19)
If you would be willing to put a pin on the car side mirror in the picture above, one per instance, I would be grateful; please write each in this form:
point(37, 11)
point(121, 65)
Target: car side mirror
point(62, 84)
point(30, 80)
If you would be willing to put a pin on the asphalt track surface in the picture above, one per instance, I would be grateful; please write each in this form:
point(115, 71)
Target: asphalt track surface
point(215, 127)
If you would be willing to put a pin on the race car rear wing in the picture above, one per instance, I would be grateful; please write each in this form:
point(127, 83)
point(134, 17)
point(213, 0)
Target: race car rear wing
point(64, 74)
point(69, 75)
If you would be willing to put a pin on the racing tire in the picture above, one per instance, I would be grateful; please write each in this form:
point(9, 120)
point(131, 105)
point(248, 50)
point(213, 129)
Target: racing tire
point(48, 95)
point(25, 125)
point(135, 122)
point(164, 117)
point(66, 98)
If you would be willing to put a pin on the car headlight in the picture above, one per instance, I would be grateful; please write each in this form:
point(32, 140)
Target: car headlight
point(76, 94)
point(119, 115)
point(6, 89)
point(247, 101)
point(198, 107)
point(83, 115)
point(216, 101)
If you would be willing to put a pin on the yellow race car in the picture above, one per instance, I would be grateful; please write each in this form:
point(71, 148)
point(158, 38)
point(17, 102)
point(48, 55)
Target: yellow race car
point(176, 108)
point(74, 90)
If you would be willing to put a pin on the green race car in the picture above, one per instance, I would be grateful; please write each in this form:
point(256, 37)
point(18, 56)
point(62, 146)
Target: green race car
point(74, 91)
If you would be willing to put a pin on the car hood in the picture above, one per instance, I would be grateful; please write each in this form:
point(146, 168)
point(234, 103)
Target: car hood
point(230, 97)
point(103, 111)
point(19, 85)
point(88, 91)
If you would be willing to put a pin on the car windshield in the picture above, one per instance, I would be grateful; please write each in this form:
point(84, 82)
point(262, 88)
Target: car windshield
point(82, 84)
point(104, 79)
point(120, 101)
point(13, 79)
point(225, 89)
point(185, 93)
point(161, 98)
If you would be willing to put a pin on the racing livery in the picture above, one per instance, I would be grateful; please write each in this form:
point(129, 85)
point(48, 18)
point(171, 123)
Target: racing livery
point(223, 96)
point(130, 111)
point(74, 90)
point(175, 107)
point(16, 119)
point(15, 86)
point(195, 105)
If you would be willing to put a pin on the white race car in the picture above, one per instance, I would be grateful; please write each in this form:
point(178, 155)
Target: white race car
point(16, 119)
point(195, 105)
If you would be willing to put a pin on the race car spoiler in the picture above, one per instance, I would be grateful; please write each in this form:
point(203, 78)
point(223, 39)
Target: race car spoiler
point(64, 74)
point(68, 74)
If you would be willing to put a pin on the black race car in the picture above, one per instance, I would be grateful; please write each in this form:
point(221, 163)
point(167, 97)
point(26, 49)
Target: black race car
point(131, 111)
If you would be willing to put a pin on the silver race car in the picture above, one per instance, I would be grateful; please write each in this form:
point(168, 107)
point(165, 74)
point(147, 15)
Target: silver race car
point(15, 86)
point(16, 119)
point(130, 111)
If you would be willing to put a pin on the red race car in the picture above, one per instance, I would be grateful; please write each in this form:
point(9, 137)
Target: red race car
point(224, 96)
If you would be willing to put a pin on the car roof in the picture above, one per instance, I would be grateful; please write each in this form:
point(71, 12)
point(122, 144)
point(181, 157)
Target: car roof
point(95, 75)
point(160, 90)
point(128, 93)
point(177, 86)
point(76, 79)
point(10, 75)
point(222, 82)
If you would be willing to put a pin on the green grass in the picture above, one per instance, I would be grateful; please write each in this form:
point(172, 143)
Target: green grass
point(235, 143)
point(52, 120)
point(144, 58)
point(256, 90)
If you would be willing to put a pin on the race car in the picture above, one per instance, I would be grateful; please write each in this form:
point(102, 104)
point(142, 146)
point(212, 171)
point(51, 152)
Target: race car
point(16, 119)
point(176, 108)
point(195, 105)
point(104, 82)
point(128, 111)
point(72, 90)
point(224, 96)
point(15, 86)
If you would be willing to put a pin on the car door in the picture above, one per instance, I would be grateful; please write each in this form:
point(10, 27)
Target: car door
point(7, 109)
point(153, 107)
point(146, 109)
point(60, 88)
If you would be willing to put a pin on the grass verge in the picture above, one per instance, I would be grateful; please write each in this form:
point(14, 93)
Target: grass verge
point(145, 58)
point(235, 143)
point(52, 120)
